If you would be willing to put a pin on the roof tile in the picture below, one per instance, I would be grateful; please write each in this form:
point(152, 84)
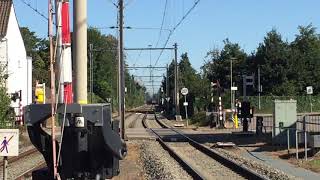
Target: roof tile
point(5, 7)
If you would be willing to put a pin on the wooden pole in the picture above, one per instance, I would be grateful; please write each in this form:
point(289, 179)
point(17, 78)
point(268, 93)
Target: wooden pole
point(53, 93)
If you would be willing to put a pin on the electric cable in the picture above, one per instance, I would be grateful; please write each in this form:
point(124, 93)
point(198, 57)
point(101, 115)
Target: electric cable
point(113, 3)
point(137, 58)
point(163, 18)
point(176, 26)
point(35, 10)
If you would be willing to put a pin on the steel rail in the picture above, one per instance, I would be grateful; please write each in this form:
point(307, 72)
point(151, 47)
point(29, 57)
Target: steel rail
point(227, 162)
point(240, 169)
point(22, 155)
point(188, 168)
point(28, 173)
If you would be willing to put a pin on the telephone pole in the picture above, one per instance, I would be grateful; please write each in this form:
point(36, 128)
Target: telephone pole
point(91, 71)
point(80, 50)
point(53, 92)
point(121, 71)
point(176, 75)
point(231, 98)
point(259, 88)
point(167, 82)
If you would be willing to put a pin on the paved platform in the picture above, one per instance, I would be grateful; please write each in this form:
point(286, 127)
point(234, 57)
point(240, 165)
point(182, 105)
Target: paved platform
point(286, 167)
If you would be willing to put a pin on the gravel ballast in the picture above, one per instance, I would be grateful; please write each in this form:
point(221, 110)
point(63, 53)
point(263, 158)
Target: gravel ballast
point(208, 167)
point(262, 169)
point(151, 121)
point(15, 169)
point(158, 164)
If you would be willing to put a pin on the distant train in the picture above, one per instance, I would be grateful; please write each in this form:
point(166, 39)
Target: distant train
point(150, 101)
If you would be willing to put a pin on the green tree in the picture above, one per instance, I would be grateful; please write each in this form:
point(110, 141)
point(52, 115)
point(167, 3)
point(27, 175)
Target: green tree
point(305, 55)
point(105, 65)
point(6, 112)
point(38, 50)
point(188, 78)
point(273, 58)
point(217, 67)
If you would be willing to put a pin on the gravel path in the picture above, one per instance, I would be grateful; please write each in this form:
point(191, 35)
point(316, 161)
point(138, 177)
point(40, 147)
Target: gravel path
point(209, 168)
point(158, 164)
point(17, 168)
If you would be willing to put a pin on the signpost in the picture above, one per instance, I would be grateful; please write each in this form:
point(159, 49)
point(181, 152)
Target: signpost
point(310, 92)
point(233, 93)
point(9, 146)
point(184, 91)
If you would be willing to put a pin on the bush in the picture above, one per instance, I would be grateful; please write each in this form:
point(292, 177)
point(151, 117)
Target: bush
point(200, 119)
point(6, 112)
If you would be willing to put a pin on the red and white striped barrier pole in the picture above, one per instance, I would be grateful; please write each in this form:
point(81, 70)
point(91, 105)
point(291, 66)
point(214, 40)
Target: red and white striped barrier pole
point(20, 112)
point(220, 112)
point(66, 54)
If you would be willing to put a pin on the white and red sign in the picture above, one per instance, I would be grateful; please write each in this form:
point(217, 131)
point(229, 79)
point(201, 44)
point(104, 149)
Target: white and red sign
point(9, 139)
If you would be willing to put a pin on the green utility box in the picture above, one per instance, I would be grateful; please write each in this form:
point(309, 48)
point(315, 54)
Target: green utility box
point(284, 118)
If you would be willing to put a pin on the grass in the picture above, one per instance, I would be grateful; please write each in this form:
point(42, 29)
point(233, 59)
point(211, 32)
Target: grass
point(314, 165)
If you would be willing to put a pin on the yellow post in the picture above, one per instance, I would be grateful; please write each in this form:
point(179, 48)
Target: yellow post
point(236, 121)
point(40, 93)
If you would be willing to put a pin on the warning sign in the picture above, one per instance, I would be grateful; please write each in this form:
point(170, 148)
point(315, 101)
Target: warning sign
point(9, 139)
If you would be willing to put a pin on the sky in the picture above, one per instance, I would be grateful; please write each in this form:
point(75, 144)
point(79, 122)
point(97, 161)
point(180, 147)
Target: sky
point(242, 21)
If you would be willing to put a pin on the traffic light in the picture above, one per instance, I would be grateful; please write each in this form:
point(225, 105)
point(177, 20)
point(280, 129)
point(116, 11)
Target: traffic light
point(244, 110)
point(15, 96)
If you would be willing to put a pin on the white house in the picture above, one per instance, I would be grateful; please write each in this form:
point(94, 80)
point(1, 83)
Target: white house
point(13, 56)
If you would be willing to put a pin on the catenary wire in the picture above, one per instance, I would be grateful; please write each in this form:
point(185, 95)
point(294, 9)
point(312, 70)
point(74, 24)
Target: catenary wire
point(175, 27)
point(35, 10)
point(162, 22)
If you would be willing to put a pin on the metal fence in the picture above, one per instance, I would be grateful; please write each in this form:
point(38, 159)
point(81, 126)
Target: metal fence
point(309, 122)
point(312, 122)
point(267, 123)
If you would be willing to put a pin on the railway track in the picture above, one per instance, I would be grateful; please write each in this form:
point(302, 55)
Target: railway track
point(28, 173)
point(20, 167)
point(22, 155)
point(199, 161)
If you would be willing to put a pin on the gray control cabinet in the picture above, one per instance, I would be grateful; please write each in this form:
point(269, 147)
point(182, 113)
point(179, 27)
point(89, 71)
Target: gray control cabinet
point(285, 115)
